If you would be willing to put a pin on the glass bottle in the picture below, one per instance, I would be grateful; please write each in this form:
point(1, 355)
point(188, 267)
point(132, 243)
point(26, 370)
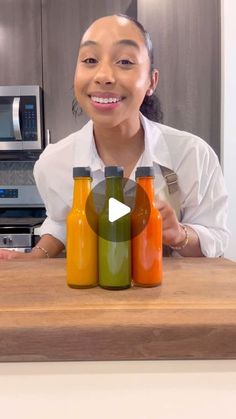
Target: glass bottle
point(81, 253)
point(114, 246)
point(147, 245)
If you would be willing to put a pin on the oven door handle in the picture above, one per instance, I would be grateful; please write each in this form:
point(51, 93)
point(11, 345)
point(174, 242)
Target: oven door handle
point(16, 118)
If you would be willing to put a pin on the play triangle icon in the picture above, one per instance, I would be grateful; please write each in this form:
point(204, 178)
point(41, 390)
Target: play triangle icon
point(116, 209)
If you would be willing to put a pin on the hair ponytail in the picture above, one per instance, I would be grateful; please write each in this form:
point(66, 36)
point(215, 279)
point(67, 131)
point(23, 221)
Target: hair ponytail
point(151, 108)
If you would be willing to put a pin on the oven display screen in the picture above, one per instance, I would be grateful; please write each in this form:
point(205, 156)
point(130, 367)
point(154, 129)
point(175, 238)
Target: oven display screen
point(8, 193)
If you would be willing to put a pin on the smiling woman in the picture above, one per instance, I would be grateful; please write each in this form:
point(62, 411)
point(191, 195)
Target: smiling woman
point(113, 72)
point(114, 85)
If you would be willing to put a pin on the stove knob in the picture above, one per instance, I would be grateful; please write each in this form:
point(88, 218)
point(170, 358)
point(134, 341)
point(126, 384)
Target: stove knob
point(7, 240)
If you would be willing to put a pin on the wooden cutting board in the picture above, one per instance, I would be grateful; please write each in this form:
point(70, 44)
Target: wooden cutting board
point(192, 315)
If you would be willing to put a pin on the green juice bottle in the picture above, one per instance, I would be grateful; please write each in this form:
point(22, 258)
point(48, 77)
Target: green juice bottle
point(114, 245)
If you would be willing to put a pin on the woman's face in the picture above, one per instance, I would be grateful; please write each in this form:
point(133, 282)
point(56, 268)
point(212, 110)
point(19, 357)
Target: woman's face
point(113, 71)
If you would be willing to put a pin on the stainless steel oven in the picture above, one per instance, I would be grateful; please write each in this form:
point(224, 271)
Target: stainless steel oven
point(21, 207)
point(19, 228)
point(21, 213)
point(21, 126)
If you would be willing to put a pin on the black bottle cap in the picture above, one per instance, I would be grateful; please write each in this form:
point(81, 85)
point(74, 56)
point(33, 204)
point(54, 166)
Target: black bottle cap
point(144, 171)
point(114, 171)
point(81, 172)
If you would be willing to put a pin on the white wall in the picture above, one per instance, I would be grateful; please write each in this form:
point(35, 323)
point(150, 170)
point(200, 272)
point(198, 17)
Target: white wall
point(228, 134)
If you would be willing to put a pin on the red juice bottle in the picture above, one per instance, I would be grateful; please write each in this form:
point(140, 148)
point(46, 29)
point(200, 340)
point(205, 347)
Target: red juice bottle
point(147, 245)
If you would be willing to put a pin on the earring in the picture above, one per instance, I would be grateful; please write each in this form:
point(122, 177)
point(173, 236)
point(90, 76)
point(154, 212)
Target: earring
point(149, 92)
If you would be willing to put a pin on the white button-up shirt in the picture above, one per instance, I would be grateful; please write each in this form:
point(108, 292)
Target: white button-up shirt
point(202, 194)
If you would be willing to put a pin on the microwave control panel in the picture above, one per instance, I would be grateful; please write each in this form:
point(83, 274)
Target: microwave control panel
point(28, 118)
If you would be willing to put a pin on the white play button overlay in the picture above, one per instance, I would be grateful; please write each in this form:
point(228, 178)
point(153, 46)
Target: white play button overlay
point(116, 209)
point(102, 216)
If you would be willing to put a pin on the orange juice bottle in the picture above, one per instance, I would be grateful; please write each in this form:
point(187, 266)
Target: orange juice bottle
point(147, 245)
point(81, 252)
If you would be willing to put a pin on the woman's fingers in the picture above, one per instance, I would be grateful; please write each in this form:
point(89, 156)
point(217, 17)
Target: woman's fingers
point(171, 229)
point(168, 215)
point(6, 254)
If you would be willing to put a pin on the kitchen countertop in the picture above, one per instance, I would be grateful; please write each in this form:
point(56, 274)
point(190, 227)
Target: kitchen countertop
point(192, 315)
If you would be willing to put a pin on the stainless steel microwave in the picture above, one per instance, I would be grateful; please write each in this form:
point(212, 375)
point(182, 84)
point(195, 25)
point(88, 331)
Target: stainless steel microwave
point(21, 125)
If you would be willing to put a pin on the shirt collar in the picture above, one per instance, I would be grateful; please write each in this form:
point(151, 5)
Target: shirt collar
point(156, 149)
point(85, 149)
point(155, 152)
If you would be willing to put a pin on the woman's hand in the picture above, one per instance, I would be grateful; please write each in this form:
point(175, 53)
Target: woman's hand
point(172, 232)
point(6, 254)
point(48, 246)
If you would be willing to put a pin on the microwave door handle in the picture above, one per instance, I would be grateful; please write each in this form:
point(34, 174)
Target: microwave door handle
point(16, 118)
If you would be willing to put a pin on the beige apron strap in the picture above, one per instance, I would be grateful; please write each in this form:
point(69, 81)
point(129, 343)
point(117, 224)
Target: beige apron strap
point(170, 192)
point(170, 178)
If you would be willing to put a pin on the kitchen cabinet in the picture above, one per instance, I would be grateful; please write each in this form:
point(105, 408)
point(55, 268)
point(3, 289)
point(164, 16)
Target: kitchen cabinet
point(63, 25)
point(187, 41)
point(20, 42)
point(39, 41)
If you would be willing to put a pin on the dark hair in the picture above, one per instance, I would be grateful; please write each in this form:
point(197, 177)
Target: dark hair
point(151, 105)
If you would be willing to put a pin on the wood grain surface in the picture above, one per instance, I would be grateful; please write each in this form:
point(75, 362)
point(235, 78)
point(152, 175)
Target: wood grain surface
point(192, 315)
